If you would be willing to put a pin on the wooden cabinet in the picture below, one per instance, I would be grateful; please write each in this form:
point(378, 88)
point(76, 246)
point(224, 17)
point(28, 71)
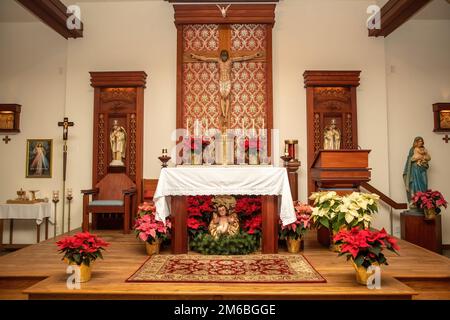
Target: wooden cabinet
point(10, 118)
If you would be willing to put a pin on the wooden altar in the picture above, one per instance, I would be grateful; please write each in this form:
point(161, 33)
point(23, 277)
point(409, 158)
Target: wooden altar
point(269, 225)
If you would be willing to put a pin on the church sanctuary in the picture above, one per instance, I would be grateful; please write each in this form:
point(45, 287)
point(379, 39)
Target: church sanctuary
point(224, 150)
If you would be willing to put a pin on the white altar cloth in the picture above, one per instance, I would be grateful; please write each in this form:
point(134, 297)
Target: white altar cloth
point(35, 211)
point(205, 180)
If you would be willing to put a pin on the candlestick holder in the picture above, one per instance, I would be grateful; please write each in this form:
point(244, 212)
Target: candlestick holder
point(55, 201)
point(69, 200)
point(164, 158)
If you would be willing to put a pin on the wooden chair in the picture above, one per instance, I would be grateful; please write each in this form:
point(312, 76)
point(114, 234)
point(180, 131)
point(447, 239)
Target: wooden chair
point(149, 189)
point(115, 193)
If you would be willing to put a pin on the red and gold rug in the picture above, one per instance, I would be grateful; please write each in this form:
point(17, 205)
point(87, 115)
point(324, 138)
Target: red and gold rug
point(262, 268)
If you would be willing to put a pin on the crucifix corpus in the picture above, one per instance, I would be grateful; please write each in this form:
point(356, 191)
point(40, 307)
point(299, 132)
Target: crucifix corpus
point(65, 124)
point(225, 64)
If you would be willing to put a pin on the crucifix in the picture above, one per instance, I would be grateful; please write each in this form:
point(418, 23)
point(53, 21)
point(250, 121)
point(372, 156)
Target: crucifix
point(6, 139)
point(446, 138)
point(225, 63)
point(65, 124)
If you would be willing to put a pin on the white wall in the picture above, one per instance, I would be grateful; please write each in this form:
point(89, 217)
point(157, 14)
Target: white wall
point(330, 35)
point(418, 75)
point(32, 73)
point(308, 34)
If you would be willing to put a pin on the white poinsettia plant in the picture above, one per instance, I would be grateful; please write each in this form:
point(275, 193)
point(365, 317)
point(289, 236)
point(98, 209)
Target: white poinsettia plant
point(334, 212)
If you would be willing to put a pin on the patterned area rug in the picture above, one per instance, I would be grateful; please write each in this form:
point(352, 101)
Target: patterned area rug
point(262, 268)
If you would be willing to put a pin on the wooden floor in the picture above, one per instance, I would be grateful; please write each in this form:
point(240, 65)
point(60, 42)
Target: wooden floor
point(37, 272)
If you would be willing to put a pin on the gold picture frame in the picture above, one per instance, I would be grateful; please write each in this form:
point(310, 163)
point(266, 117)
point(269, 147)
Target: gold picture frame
point(39, 158)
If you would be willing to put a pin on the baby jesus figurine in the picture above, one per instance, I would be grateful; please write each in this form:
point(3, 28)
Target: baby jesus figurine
point(421, 155)
point(223, 223)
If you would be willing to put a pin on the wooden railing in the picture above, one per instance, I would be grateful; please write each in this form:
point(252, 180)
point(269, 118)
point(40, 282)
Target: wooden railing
point(383, 197)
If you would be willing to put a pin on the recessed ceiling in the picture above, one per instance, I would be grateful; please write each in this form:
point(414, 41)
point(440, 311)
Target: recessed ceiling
point(435, 10)
point(12, 11)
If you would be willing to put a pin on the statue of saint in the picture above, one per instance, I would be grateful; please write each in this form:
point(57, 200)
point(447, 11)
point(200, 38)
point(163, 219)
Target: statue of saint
point(225, 64)
point(224, 221)
point(416, 166)
point(118, 139)
point(332, 137)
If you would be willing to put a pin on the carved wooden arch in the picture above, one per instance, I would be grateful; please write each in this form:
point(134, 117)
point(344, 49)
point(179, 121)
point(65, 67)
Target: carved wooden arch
point(191, 14)
point(330, 95)
point(118, 96)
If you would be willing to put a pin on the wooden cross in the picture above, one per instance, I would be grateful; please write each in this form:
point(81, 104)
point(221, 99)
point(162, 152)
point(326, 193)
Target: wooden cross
point(446, 138)
point(65, 124)
point(6, 139)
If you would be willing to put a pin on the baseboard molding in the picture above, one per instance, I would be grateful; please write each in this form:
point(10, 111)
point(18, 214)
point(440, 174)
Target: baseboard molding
point(446, 247)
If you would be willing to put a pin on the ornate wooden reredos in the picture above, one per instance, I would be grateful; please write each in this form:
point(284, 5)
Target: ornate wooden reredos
point(244, 29)
point(330, 95)
point(118, 96)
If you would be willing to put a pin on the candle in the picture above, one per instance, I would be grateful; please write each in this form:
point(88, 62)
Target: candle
point(206, 126)
point(187, 126)
point(196, 128)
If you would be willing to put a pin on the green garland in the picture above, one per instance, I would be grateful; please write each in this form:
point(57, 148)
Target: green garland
point(241, 243)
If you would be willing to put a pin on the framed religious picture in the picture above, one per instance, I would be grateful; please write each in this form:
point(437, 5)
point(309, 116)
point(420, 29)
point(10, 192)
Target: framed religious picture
point(39, 158)
point(441, 113)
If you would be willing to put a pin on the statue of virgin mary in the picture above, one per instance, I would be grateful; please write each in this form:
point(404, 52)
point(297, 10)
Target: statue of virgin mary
point(416, 166)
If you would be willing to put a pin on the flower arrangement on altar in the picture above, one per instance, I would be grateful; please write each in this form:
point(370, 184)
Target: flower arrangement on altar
point(150, 230)
point(365, 248)
point(431, 201)
point(82, 249)
point(336, 212)
point(200, 211)
point(294, 232)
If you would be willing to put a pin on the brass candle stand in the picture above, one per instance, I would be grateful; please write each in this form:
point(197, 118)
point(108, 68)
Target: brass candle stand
point(55, 200)
point(69, 198)
point(164, 158)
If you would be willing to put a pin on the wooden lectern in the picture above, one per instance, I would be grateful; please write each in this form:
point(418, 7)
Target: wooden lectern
point(340, 170)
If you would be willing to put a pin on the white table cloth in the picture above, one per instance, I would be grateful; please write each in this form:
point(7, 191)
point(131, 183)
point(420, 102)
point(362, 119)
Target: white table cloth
point(35, 211)
point(203, 180)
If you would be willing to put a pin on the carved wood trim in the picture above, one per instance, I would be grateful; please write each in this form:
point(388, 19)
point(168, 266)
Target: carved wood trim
point(118, 79)
point(331, 78)
point(54, 14)
point(395, 13)
point(237, 13)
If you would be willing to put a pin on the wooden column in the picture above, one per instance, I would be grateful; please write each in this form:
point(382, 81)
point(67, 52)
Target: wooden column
point(11, 230)
point(270, 224)
point(1, 232)
point(179, 225)
point(292, 170)
point(38, 233)
point(424, 233)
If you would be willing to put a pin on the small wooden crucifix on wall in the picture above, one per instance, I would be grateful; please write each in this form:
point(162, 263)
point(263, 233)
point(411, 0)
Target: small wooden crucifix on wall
point(446, 138)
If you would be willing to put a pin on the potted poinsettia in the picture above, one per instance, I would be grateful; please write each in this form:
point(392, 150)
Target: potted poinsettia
point(294, 232)
point(430, 201)
point(343, 212)
point(82, 249)
point(364, 248)
point(150, 230)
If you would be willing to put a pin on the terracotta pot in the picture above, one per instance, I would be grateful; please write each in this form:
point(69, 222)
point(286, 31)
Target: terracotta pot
point(152, 248)
point(362, 275)
point(430, 214)
point(293, 245)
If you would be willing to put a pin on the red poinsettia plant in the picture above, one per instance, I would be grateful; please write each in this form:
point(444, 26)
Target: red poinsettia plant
point(147, 228)
point(429, 200)
point(365, 247)
point(194, 144)
point(303, 223)
point(82, 248)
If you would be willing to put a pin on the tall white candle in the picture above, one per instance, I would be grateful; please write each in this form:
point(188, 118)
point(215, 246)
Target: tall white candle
point(196, 128)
